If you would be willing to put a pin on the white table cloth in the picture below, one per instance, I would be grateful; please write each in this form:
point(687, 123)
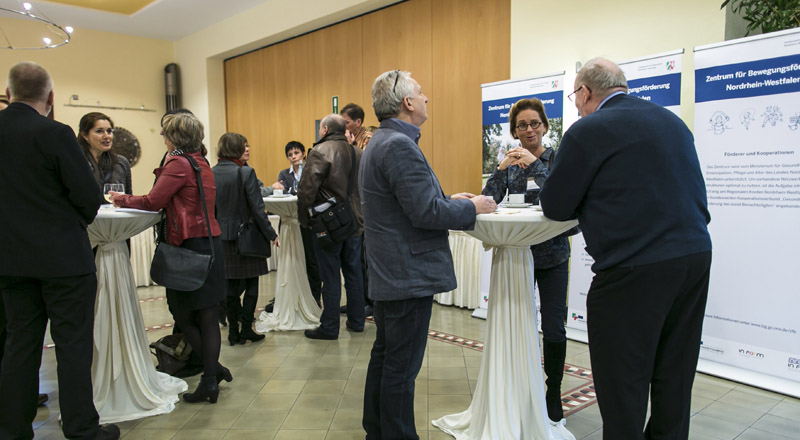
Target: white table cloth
point(508, 403)
point(467, 251)
point(295, 308)
point(125, 381)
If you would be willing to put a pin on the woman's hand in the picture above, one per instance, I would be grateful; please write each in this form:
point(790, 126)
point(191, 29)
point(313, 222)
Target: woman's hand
point(276, 242)
point(278, 185)
point(114, 196)
point(521, 157)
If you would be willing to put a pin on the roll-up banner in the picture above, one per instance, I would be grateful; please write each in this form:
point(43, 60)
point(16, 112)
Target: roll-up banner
point(655, 78)
point(747, 133)
point(498, 98)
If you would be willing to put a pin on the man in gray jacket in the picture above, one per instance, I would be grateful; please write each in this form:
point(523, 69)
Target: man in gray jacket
point(406, 219)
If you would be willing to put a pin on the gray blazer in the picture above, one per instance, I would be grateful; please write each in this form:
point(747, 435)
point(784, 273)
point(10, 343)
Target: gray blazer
point(230, 199)
point(406, 217)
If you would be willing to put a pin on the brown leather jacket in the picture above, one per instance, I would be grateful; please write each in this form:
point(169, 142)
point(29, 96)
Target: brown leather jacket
point(326, 174)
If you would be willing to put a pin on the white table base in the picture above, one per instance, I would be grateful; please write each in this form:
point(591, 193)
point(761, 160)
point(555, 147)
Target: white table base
point(295, 308)
point(126, 383)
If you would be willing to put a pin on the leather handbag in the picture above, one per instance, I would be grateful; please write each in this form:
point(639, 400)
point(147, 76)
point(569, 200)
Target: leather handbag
point(179, 268)
point(172, 353)
point(250, 242)
point(333, 221)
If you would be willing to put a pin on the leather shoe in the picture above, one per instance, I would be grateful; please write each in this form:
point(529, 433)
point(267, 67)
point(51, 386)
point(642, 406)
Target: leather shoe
point(317, 334)
point(107, 432)
point(343, 309)
point(352, 327)
point(42, 399)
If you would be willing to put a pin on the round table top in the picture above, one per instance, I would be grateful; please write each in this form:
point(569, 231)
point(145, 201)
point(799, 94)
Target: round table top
point(517, 227)
point(112, 213)
point(284, 206)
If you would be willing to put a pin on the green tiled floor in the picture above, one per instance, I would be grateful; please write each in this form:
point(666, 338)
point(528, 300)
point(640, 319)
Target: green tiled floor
point(289, 387)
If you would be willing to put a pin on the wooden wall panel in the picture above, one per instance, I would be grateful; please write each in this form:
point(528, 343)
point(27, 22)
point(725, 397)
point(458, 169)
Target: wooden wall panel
point(471, 46)
point(334, 67)
point(400, 38)
point(451, 47)
point(287, 116)
point(244, 100)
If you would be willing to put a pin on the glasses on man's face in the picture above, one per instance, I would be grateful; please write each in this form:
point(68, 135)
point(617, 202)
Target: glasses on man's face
point(522, 126)
point(571, 96)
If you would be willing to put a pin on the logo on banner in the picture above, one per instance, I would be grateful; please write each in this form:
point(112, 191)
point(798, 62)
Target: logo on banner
point(793, 364)
point(711, 349)
point(750, 354)
point(578, 317)
point(554, 84)
point(670, 65)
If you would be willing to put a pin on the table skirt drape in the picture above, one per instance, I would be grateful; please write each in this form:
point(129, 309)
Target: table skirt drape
point(467, 251)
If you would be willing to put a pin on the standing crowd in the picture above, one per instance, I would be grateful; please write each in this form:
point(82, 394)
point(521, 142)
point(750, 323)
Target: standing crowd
point(627, 170)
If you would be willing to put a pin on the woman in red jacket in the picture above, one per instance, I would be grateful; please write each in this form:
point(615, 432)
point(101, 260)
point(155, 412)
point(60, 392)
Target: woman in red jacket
point(177, 193)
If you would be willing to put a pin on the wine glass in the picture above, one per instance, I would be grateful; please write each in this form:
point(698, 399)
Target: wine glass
point(109, 187)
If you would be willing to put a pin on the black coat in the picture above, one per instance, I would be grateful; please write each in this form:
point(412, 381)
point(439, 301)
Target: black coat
point(232, 200)
point(48, 195)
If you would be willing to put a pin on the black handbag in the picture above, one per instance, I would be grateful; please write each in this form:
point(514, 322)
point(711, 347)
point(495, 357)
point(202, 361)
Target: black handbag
point(172, 353)
point(179, 268)
point(333, 221)
point(250, 242)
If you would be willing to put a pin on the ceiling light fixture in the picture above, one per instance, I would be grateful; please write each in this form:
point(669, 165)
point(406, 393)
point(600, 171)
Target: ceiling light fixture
point(61, 35)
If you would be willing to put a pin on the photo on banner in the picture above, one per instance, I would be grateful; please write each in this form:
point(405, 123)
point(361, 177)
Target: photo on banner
point(747, 133)
point(497, 100)
point(655, 78)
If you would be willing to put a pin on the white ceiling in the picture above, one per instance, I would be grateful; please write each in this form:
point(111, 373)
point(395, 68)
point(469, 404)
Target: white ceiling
point(162, 19)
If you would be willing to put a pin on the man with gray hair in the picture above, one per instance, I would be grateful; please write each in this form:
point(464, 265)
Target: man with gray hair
point(628, 171)
point(46, 268)
point(406, 219)
point(327, 174)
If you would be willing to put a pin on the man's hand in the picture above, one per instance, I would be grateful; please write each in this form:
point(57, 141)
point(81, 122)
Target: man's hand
point(350, 138)
point(461, 196)
point(278, 185)
point(483, 204)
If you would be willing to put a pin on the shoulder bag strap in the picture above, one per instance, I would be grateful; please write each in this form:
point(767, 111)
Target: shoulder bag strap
point(352, 171)
point(245, 212)
point(202, 200)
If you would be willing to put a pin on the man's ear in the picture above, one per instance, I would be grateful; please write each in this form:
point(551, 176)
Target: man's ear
point(50, 98)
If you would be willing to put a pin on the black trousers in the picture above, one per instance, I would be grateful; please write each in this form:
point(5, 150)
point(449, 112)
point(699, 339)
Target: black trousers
point(312, 266)
point(644, 328)
point(68, 302)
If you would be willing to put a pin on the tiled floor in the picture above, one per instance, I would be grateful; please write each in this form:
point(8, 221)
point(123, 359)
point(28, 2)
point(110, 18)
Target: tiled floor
point(289, 387)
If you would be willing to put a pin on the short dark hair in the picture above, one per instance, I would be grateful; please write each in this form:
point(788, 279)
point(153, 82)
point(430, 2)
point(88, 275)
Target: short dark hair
point(231, 146)
point(353, 111)
point(294, 145)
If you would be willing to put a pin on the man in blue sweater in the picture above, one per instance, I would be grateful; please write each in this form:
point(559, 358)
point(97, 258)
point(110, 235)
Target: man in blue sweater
point(628, 171)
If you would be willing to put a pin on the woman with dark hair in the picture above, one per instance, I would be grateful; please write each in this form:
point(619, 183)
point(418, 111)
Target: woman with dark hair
point(532, 161)
point(240, 200)
point(176, 192)
point(95, 135)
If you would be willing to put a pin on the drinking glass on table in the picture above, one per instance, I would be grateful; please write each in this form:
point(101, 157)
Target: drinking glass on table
point(112, 187)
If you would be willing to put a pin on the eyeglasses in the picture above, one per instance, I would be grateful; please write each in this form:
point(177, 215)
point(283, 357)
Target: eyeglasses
point(570, 96)
point(396, 77)
point(522, 126)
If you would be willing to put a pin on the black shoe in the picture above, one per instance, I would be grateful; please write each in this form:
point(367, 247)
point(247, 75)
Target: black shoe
point(224, 374)
point(353, 327)
point(42, 399)
point(233, 335)
point(269, 308)
point(222, 321)
point(368, 310)
point(317, 334)
point(207, 389)
point(343, 309)
point(107, 432)
point(247, 334)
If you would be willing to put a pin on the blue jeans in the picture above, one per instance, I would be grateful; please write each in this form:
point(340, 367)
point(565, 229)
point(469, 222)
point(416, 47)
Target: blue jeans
point(347, 257)
point(552, 284)
point(402, 334)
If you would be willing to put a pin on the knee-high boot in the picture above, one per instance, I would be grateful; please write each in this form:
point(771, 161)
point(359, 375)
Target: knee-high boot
point(248, 312)
point(233, 306)
point(554, 355)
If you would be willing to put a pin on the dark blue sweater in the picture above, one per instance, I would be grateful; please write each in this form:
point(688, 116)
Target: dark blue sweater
point(629, 173)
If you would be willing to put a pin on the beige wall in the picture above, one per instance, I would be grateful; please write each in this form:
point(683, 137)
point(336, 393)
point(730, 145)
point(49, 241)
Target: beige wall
point(111, 69)
point(548, 37)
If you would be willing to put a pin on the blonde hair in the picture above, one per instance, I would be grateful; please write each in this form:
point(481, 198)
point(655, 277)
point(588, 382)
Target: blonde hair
point(184, 131)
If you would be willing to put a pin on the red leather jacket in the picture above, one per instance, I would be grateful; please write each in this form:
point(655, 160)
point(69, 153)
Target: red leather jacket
point(176, 190)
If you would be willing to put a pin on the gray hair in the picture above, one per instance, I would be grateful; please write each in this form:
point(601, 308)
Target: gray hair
point(335, 123)
point(185, 131)
point(601, 75)
point(388, 92)
point(29, 82)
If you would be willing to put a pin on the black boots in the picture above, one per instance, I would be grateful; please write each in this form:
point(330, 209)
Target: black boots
point(554, 354)
point(224, 374)
point(207, 389)
point(232, 304)
point(248, 312)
